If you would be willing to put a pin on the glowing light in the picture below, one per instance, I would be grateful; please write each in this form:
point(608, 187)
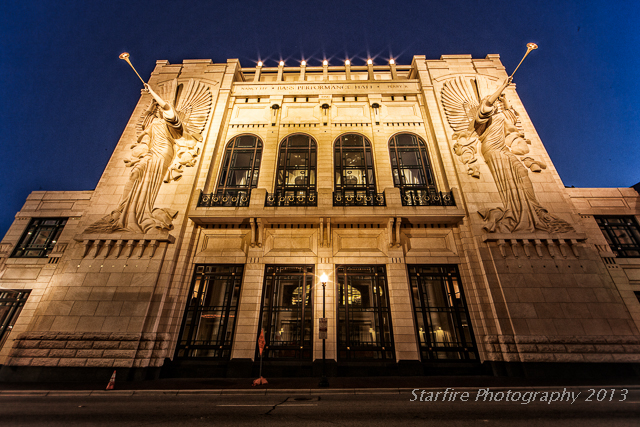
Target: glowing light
point(369, 62)
point(282, 63)
point(259, 63)
point(391, 61)
point(303, 63)
point(324, 278)
point(325, 62)
point(347, 62)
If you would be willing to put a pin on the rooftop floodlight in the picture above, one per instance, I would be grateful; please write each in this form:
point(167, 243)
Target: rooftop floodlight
point(282, 63)
point(391, 61)
point(303, 63)
point(369, 62)
point(325, 62)
point(259, 63)
point(347, 62)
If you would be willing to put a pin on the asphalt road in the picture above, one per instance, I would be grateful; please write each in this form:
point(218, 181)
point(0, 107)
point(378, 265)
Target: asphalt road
point(313, 408)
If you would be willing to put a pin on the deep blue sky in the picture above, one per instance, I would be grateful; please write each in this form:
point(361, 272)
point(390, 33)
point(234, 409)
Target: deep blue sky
point(66, 97)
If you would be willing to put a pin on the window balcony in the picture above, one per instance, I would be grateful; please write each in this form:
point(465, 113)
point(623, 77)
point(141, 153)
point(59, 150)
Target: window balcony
point(229, 198)
point(425, 196)
point(290, 198)
point(347, 197)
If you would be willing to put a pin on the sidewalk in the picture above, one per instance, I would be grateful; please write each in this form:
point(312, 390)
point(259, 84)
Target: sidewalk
point(301, 385)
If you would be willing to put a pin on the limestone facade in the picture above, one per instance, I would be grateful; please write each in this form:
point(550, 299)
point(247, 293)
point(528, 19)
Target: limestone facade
point(117, 298)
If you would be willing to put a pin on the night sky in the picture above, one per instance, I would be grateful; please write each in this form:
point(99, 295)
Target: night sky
point(66, 97)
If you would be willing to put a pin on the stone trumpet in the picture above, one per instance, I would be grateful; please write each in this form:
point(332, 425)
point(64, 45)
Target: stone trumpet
point(125, 56)
point(530, 47)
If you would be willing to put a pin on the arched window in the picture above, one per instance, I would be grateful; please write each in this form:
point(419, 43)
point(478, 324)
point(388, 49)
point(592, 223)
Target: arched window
point(412, 171)
point(355, 181)
point(296, 175)
point(239, 172)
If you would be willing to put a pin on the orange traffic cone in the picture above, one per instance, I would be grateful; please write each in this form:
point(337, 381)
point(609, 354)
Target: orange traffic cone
point(112, 381)
point(259, 381)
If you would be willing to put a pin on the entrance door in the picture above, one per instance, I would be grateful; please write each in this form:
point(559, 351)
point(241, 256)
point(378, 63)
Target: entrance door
point(364, 319)
point(442, 317)
point(209, 319)
point(287, 315)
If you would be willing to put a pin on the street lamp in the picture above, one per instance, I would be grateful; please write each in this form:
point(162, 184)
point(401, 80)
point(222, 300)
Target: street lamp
point(324, 382)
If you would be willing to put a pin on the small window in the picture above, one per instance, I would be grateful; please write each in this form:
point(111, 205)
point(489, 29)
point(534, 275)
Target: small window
point(39, 238)
point(240, 167)
point(622, 234)
point(11, 303)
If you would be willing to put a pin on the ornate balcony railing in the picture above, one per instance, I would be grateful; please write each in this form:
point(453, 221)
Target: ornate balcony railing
point(238, 198)
point(426, 197)
point(292, 198)
point(358, 198)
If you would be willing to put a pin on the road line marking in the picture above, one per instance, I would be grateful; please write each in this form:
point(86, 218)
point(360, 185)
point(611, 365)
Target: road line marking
point(301, 404)
point(279, 406)
point(275, 404)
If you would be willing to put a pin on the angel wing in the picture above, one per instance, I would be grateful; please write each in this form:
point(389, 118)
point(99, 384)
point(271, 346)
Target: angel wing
point(460, 102)
point(194, 106)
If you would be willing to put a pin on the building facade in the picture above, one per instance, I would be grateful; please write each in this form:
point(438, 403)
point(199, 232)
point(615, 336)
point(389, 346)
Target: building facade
point(422, 191)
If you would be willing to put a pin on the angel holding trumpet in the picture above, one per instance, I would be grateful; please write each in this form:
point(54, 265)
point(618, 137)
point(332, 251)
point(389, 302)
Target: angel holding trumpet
point(170, 130)
point(496, 126)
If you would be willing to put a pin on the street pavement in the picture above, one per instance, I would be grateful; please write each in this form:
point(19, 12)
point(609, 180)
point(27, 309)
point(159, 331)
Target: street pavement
point(353, 401)
point(493, 406)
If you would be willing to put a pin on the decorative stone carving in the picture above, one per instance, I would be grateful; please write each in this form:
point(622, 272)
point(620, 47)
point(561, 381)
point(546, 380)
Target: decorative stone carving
point(496, 125)
point(167, 143)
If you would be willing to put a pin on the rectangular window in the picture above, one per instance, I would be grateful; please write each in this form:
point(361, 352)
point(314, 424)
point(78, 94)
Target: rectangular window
point(442, 317)
point(39, 238)
point(209, 320)
point(622, 234)
point(287, 315)
point(11, 303)
point(364, 319)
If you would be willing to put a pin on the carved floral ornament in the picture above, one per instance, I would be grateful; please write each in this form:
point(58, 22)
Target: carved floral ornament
point(480, 115)
point(169, 139)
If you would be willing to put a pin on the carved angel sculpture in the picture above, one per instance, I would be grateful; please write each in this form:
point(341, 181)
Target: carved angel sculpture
point(496, 126)
point(167, 142)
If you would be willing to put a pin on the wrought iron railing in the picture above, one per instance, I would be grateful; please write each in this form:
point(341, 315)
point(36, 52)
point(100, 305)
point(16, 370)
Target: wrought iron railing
point(426, 197)
point(358, 198)
point(292, 198)
point(230, 198)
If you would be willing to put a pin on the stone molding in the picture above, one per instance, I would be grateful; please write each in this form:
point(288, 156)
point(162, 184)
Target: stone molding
point(89, 349)
point(126, 246)
point(529, 244)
